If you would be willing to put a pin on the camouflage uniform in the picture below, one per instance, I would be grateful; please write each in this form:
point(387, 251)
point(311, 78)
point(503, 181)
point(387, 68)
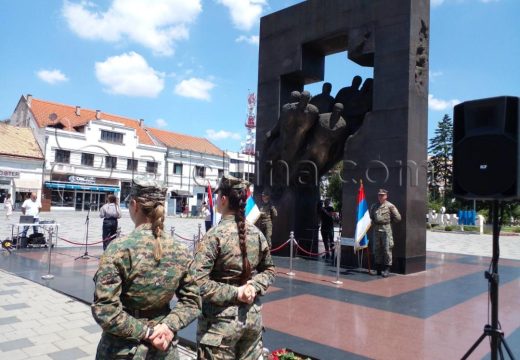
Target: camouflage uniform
point(229, 329)
point(265, 221)
point(134, 290)
point(382, 216)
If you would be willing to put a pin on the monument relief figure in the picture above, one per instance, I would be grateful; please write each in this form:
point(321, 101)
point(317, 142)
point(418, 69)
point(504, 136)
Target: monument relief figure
point(359, 105)
point(345, 95)
point(324, 101)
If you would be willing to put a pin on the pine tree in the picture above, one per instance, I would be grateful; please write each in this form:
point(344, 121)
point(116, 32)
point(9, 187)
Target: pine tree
point(440, 170)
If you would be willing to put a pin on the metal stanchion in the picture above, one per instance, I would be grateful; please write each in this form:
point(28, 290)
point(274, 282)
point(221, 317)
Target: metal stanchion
point(118, 232)
point(172, 231)
point(291, 246)
point(49, 276)
point(338, 260)
point(199, 231)
point(194, 244)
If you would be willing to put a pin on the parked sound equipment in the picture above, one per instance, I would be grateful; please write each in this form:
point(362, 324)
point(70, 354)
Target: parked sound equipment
point(486, 167)
point(36, 239)
point(486, 149)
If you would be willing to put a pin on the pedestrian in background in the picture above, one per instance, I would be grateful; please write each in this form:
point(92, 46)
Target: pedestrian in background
point(109, 212)
point(207, 216)
point(327, 228)
point(267, 213)
point(383, 214)
point(137, 278)
point(233, 267)
point(31, 207)
point(8, 205)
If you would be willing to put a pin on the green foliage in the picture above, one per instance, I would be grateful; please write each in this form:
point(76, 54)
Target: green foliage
point(471, 228)
point(335, 189)
point(448, 228)
point(440, 167)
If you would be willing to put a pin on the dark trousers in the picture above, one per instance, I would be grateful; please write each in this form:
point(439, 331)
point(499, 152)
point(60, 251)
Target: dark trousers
point(26, 228)
point(208, 225)
point(327, 234)
point(109, 229)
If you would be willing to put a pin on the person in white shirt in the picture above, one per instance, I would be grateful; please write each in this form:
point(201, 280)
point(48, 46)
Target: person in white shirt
point(207, 216)
point(110, 212)
point(31, 207)
point(8, 204)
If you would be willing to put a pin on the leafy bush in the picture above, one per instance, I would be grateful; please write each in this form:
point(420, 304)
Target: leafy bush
point(448, 228)
point(471, 228)
point(428, 226)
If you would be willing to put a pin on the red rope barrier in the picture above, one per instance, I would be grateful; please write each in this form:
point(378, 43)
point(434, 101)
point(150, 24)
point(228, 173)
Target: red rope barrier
point(310, 253)
point(183, 238)
point(94, 243)
point(281, 246)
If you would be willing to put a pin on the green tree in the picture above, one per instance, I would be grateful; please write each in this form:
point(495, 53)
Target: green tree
point(334, 190)
point(440, 169)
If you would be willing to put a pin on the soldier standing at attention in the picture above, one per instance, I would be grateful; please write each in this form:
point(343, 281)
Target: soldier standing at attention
point(138, 275)
point(265, 221)
point(383, 214)
point(233, 266)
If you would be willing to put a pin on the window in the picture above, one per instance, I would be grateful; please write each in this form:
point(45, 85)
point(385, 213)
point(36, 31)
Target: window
point(151, 167)
point(177, 169)
point(234, 161)
point(113, 137)
point(131, 165)
point(87, 159)
point(200, 171)
point(110, 162)
point(220, 173)
point(62, 156)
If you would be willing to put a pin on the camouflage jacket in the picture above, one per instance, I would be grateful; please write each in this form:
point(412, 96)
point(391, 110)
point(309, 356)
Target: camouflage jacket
point(384, 214)
point(129, 278)
point(267, 212)
point(218, 263)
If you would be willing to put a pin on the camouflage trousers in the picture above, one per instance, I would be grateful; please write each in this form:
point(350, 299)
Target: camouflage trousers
point(235, 333)
point(267, 230)
point(114, 347)
point(383, 244)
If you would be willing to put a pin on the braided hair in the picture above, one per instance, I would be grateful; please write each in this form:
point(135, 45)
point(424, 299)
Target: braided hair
point(237, 197)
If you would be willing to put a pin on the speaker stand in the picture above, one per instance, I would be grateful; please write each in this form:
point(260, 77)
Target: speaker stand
point(493, 331)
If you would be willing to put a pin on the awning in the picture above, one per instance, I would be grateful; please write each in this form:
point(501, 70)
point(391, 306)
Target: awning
point(65, 186)
point(181, 193)
point(27, 185)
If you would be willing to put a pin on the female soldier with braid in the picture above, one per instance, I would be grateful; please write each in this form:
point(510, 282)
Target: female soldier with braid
point(137, 277)
point(233, 266)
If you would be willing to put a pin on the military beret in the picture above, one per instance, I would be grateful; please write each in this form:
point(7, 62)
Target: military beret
point(233, 182)
point(382, 192)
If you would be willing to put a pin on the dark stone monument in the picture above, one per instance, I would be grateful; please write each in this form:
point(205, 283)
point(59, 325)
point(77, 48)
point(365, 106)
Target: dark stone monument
point(386, 147)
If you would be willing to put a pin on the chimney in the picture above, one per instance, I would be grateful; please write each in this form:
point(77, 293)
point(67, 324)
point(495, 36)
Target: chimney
point(98, 114)
point(141, 122)
point(78, 110)
point(29, 100)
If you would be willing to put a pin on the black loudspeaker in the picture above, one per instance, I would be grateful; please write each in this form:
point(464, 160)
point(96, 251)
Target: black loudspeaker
point(486, 149)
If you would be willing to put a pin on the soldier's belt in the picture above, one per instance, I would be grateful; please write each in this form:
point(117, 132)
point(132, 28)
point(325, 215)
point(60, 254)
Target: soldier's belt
point(382, 223)
point(148, 314)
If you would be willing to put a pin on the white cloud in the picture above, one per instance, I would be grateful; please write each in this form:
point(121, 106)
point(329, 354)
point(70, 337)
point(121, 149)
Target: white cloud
point(244, 13)
point(439, 104)
point(253, 39)
point(52, 76)
point(129, 74)
point(221, 134)
point(156, 24)
point(195, 88)
point(161, 123)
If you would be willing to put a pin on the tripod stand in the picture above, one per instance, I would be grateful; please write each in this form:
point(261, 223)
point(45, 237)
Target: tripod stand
point(493, 330)
point(87, 222)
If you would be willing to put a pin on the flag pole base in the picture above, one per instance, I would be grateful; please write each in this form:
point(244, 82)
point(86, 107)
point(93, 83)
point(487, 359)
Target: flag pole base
point(337, 282)
point(48, 277)
point(290, 273)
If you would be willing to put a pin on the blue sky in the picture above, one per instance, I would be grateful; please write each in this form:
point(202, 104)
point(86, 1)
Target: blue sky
point(187, 65)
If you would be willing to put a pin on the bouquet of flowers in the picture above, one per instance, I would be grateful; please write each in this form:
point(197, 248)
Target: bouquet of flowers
point(284, 354)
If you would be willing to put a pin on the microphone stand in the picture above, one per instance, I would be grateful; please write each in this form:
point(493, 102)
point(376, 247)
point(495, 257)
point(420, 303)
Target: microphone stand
point(87, 222)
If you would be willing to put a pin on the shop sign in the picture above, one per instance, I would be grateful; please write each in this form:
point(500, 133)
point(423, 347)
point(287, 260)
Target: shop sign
point(82, 179)
point(9, 173)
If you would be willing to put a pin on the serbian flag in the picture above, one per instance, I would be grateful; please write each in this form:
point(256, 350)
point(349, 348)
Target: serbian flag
point(252, 211)
point(363, 222)
point(210, 205)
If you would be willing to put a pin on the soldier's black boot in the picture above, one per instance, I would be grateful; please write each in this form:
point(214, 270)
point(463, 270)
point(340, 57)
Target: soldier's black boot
point(378, 269)
point(386, 271)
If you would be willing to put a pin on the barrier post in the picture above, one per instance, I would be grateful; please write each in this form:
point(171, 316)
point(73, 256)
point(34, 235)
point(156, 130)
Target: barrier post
point(199, 230)
point(118, 232)
point(172, 231)
point(194, 244)
point(291, 248)
point(49, 276)
point(338, 260)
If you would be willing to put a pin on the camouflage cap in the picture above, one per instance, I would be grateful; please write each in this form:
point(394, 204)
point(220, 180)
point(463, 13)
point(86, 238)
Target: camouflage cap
point(150, 189)
point(233, 182)
point(382, 192)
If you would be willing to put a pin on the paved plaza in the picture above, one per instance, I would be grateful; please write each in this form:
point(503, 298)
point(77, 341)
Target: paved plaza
point(435, 314)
